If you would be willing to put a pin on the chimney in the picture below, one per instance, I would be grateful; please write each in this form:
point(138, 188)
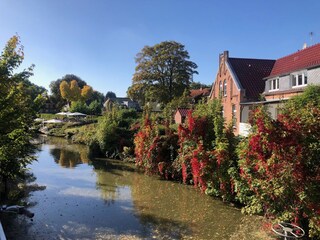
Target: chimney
point(223, 57)
point(226, 55)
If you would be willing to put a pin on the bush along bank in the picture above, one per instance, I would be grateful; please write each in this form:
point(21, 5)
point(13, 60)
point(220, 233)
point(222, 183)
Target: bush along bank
point(275, 171)
point(112, 136)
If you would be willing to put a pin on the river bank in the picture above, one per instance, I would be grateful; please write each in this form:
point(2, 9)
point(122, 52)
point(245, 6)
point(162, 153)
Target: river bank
point(90, 198)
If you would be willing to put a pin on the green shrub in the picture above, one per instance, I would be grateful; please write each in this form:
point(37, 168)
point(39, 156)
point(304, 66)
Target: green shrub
point(79, 106)
point(114, 133)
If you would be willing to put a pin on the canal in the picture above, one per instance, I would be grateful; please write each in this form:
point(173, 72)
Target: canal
point(106, 199)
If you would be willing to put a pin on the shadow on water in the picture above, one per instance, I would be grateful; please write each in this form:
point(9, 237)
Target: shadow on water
point(106, 199)
point(110, 165)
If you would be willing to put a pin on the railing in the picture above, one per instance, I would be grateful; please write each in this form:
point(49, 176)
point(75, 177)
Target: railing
point(2, 235)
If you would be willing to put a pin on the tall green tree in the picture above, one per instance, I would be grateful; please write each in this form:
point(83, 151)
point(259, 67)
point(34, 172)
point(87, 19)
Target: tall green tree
point(17, 112)
point(163, 72)
point(96, 96)
point(111, 94)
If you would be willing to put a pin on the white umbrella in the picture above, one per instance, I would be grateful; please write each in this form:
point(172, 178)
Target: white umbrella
point(53, 121)
point(63, 113)
point(76, 114)
point(38, 119)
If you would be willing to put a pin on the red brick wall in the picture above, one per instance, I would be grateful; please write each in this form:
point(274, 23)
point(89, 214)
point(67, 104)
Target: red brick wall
point(177, 118)
point(233, 94)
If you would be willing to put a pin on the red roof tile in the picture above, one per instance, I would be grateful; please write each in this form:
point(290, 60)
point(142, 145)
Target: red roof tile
point(251, 73)
point(200, 92)
point(302, 59)
point(183, 111)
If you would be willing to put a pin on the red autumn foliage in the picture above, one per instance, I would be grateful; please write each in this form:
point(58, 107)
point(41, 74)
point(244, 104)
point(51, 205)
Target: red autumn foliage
point(279, 163)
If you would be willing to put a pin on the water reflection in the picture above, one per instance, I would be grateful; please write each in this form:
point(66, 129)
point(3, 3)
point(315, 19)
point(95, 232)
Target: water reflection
point(113, 179)
point(107, 199)
point(67, 154)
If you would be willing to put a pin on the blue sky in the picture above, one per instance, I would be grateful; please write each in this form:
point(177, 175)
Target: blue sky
point(97, 40)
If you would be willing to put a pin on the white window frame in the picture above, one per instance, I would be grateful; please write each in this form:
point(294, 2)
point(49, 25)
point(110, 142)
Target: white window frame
point(220, 88)
point(234, 115)
point(295, 77)
point(274, 84)
point(225, 88)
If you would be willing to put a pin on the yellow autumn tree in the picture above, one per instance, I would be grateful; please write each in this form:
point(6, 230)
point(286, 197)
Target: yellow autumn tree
point(65, 90)
point(86, 92)
point(73, 93)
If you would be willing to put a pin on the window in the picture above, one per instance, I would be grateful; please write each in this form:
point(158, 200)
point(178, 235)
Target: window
point(225, 88)
point(299, 79)
point(183, 119)
point(274, 84)
point(220, 88)
point(234, 118)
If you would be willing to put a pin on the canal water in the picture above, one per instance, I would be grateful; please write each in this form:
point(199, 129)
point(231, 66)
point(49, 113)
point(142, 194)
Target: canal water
point(106, 199)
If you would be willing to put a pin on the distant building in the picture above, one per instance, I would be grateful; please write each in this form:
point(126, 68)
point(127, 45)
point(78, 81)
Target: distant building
point(154, 107)
point(122, 102)
point(199, 94)
point(181, 115)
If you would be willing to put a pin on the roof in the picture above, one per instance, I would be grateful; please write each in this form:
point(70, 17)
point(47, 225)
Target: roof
point(250, 73)
point(306, 58)
point(183, 111)
point(121, 99)
point(202, 92)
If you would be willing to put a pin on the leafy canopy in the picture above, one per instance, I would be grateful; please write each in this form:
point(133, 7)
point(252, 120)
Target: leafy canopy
point(18, 109)
point(111, 94)
point(55, 88)
point(162, 73)
point(72, 92)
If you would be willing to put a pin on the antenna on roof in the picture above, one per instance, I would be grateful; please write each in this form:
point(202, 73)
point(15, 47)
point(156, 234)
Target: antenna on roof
point(311, 38)
point(304, 46)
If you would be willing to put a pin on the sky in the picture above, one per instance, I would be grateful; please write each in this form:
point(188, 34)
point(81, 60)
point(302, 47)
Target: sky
point(98, 40)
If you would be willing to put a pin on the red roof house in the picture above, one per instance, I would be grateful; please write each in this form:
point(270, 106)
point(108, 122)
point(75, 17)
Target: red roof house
point(198, 94)
point(239, 81)
point(290, 75)
point(303, 59)
point(181, 115)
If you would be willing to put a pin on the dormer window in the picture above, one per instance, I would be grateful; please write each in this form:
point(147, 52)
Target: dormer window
point(274, 84)
point(225, 88)
point(299, 80)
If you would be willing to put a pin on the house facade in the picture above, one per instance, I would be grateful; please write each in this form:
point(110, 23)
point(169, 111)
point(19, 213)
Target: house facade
point(180, 115)
point(239, 84)
point(290, 75)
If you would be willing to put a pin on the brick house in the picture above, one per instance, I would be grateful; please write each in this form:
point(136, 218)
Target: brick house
point(239, 83)
point(197, 95)
point(290, 75)
point(181, 115)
